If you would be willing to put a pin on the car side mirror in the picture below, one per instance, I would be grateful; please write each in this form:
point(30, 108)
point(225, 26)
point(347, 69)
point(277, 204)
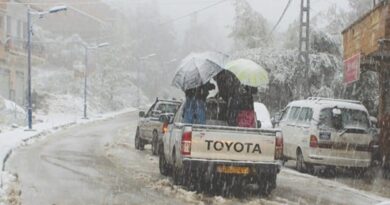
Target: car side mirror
point(141, 114)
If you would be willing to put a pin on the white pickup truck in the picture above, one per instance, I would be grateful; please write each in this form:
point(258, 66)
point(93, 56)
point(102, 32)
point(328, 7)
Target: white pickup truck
point(215, 156)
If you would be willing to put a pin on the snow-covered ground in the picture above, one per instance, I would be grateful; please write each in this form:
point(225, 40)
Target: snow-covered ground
point(11, 115)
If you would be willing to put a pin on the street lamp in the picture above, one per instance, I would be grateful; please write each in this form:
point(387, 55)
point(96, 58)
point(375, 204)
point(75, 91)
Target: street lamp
point(57, 9)
point(29, 34)
point(138, 73)
point(87, 48)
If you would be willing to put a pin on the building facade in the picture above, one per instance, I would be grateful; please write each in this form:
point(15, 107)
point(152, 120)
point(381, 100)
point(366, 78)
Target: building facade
point(12, 51)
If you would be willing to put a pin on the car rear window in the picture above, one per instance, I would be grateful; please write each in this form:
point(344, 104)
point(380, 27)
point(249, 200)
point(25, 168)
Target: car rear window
point(168, 107)
point(350, 118)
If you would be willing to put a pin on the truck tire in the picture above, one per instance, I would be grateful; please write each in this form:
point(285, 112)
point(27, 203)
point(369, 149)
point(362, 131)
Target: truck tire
point(177, 173)
point(138, 142)
point(162, 162)
point(155, 143)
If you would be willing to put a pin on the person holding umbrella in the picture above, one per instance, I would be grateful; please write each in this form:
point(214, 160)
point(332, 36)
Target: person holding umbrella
point(240, 104)
point(193, 77)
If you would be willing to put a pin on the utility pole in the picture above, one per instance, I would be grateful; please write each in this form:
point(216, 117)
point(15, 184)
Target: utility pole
point(86, 72)
point(304, 45)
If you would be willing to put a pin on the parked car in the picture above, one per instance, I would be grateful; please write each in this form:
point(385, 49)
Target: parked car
point(203, 155)
point(262, 115)
point(149, 126)
point(329, 132)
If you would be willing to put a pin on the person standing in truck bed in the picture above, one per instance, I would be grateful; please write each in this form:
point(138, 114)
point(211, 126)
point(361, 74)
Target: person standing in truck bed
point(240, 107)
point(195, 107)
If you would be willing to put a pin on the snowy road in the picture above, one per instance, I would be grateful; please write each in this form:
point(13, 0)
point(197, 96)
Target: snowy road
point(96, 163)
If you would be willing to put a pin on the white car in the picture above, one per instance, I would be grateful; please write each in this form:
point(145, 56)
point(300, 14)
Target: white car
point(262, 115)
point(330, 132)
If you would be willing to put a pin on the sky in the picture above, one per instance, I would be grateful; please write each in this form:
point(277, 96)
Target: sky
point(224, 12)
point(220, 18)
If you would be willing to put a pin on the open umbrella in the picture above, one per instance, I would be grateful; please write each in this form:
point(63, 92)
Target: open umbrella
point(198, 68)
point(248, 72)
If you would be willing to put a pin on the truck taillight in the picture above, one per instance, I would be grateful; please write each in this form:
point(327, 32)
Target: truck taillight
point(313, 141)
point(165, 127)
point(186, 140)
point(279, 145)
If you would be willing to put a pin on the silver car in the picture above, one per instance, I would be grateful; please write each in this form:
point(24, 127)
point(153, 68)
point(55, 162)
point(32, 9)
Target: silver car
point(150, 127)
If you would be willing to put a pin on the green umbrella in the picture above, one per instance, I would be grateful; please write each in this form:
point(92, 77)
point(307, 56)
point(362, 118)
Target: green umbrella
point(248, 72)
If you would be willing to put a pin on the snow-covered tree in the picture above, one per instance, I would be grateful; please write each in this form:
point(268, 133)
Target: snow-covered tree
point(359, 8)
point(326, 39)
point(250, 29)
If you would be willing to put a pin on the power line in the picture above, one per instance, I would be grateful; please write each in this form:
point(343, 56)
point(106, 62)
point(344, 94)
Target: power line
point(281, 17)
point(95, 2)
point(194, 12)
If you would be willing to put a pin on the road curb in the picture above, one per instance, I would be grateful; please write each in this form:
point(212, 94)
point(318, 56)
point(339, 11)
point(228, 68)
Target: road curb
point(42, 133)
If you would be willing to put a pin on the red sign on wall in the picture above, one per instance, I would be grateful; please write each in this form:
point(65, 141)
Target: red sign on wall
point(352, 69)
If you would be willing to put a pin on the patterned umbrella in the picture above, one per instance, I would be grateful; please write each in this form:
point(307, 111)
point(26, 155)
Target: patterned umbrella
point(198, 68)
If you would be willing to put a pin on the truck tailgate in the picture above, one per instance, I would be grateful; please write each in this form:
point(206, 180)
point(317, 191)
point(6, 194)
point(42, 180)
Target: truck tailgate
point(231, 143)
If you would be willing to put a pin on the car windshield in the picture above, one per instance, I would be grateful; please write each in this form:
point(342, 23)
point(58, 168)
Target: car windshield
point(349, 118)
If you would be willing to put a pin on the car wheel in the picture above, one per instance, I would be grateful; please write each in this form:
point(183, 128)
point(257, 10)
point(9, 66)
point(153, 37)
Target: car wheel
point(162, 163)
point(300, 162)
point(155, 143)
point(138, 142)
point(136, 139)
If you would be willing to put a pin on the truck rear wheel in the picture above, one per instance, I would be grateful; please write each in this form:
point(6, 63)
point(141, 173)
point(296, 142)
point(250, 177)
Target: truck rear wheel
point(177, 173)
point(162, 163)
